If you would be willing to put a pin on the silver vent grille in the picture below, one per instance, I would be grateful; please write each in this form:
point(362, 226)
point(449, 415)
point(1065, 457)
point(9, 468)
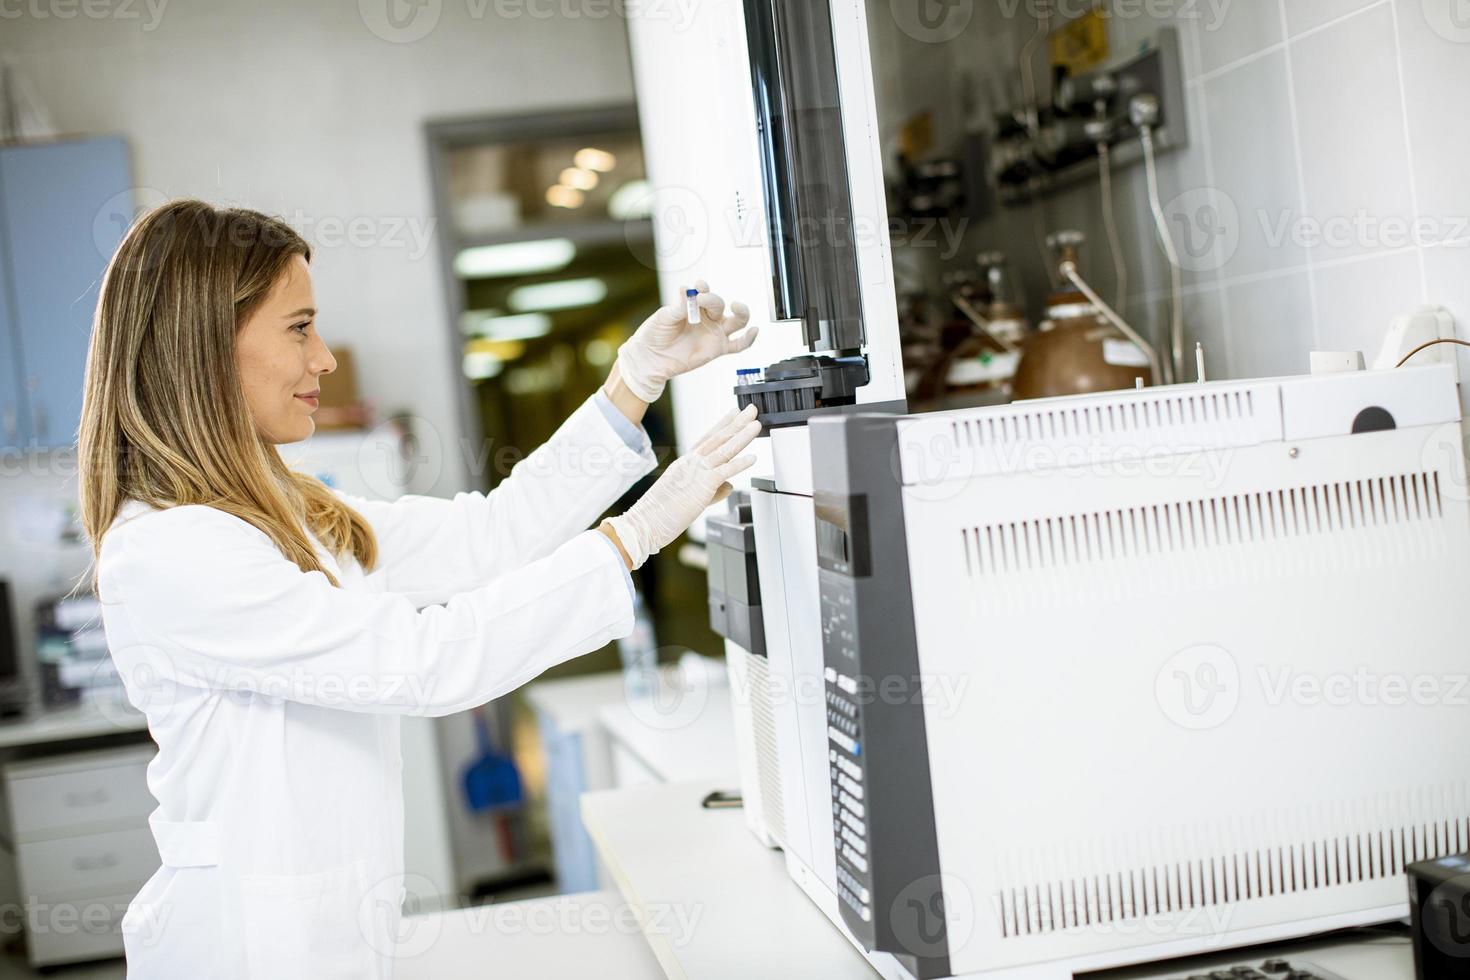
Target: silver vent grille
point(1191, 525)
point(767, 760)
point(1112, 418)
point(1031, 437)
point(1251, 874)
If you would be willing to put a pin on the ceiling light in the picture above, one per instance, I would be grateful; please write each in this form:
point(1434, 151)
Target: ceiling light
point(582, 180)
point(522, 326)
point(632, 200)
point(562, 196)
point(480, 366)
point(514, 258)
point(470, 321)
point(591, 158)
point(599, 353)
point(559, 295)
point(506, 350)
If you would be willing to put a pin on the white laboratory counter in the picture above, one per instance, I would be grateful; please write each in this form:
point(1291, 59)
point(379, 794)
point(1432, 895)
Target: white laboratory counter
point(85, 720)
point(571, 704)
point(670, 857)
point(678, 745)
point(684, 732)
point(566, 937)
point(598, 736)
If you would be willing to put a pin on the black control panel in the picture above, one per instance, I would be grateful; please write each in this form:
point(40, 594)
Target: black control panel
point(845, 746)
point(888, 881)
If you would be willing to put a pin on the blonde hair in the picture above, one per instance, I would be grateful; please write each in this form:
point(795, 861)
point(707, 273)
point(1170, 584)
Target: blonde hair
point(164, 417)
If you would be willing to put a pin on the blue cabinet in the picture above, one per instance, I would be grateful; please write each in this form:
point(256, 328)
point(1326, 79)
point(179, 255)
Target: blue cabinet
point(15, 421)
point(64, 207)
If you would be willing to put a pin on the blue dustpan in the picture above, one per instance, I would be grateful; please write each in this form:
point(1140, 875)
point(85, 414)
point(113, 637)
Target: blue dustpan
point(492, 780)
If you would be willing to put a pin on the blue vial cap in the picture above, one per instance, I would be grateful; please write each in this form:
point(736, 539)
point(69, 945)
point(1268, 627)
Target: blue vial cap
point(691, 292)
point(743, 371)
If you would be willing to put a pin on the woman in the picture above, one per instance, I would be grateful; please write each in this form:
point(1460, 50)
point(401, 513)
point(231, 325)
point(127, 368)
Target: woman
point(274, 630)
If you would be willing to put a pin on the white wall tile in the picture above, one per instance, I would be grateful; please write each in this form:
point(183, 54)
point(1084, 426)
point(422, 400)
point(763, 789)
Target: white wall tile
point(1204, 322)
point(1303, 15)
point(1436, 74)
point(1447, 282)
point(1254, 159)
point(1129, 30)
point(1350, 121)
point(1237, 30)
point(1270, 326)
point(1447, 277)
point(1356, 301)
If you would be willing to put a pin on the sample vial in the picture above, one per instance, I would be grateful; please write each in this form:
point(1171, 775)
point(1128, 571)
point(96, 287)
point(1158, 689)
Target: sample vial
point(691, 305)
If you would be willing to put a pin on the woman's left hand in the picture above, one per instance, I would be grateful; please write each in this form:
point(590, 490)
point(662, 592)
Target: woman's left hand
point(667, 344)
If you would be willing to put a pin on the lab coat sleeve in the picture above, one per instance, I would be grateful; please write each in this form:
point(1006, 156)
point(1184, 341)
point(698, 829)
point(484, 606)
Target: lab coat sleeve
point(206, 600)
point(430, 548)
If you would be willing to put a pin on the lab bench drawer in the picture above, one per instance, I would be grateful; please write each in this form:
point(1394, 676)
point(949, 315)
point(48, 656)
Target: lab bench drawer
point(93, 864)
point(64, 795)
point(67, 930)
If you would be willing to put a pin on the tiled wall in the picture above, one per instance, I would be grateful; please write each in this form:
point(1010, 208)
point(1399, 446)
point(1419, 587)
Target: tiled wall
point(1348, 115)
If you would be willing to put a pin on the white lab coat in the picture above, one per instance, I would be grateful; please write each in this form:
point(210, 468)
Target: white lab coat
point(275, 698)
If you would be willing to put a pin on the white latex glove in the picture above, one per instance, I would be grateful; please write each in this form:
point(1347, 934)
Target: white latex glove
point(667, 344)
point(690, 484)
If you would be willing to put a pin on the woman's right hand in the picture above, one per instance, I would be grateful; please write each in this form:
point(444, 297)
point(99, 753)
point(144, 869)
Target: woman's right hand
point(690, 484)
